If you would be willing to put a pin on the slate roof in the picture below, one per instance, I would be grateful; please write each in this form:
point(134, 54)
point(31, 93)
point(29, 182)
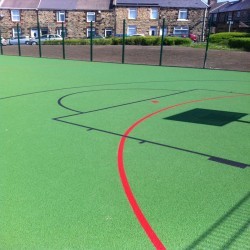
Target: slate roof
point(17, 4)
point(57, 4)
point(164, 3)
point(232, 6)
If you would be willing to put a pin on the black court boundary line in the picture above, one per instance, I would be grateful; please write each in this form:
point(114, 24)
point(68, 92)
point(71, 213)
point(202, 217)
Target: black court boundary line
point(124, 83)
point(141, 141)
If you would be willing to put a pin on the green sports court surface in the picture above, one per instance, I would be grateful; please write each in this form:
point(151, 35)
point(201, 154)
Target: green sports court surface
point(111, 156)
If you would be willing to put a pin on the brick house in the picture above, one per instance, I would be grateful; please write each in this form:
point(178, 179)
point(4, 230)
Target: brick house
point(75, 14)
point(142, 16)
point(230, 16)
point(182, 17)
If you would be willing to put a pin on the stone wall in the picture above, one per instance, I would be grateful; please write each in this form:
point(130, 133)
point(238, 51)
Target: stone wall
point(75, 23)
point(143, 21)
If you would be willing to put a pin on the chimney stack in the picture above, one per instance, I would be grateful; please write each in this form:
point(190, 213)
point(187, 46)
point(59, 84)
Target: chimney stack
point(211, 2)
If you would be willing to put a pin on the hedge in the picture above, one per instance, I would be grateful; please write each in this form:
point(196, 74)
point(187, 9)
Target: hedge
point(140, 40)
point(242, 43)
point(223, 37)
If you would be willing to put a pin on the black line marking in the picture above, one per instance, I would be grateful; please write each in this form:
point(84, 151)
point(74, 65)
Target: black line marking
point(228, 162)
point(142, 141)
point(115, 106)
point(124, 83)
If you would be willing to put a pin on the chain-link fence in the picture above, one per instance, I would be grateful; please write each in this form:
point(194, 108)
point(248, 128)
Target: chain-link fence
point(161, 50)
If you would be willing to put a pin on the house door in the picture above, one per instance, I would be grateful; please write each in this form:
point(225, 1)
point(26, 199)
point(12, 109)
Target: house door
point(34, 33)
point(153, 31)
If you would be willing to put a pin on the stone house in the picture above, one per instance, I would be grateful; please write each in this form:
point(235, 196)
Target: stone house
point(182, 17)
point(230, 16)
point(76, 16)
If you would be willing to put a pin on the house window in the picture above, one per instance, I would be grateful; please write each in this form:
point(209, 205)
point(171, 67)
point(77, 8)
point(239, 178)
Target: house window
point(182, 14)
point(153, 31)
point(132, 13)
point(14, 32)
point(90, 17)
point(15, 15)
point(181, 31)
point(131, 30)
point(215, 17)
point(108, 32)
point(238, 14)
point(165, 31)
point(89, 32)
point(62, 33)
point(230, 16)
point(154, 13)
point(60, 16)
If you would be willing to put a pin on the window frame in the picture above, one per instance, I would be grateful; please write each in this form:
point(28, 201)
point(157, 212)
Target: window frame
point(15, 17)
point(59, 32)
point(230, 16)
point(153, 29)
point(89, 32)
point(59, 15)
point(130, 11)
point(108, 30)
point(131, 27)
point(91, 14)
point(152, 13)
point(165, 30)
point(181, 11)
point(15, 32)
point(181, 28)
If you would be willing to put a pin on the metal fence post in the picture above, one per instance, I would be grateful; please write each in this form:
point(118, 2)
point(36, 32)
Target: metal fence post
point(123, 41)
point(63, 44)
point(162, 40)
point(18, 39)
point(1, 46)
point(208, 35)
point(91, 41)
point(39, 36)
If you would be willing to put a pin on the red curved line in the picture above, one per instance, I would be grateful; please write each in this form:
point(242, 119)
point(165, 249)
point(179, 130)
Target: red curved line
point(127, 189)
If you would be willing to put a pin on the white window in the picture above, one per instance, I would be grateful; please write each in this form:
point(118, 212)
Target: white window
point(153, 31)
point(182, 14)
point(238, 14)
point(181, 31)
point(89, 32)
point(14, 32)
point(154, 13)
point(131, 30)
point(15, 15)
point(230, 16)
point(165, 32)
point(60, 33)
point(90, 17)
point(132, 13)
point(60, 16)
point(108, 32)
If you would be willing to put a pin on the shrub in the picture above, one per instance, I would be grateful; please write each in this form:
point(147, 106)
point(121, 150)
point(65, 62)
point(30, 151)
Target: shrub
point(176, 41)
point(138, 40)
point(223, 37)
point(101, 41)
point(243, 43)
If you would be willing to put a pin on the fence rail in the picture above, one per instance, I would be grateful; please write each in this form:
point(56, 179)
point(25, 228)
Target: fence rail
point(134, 54)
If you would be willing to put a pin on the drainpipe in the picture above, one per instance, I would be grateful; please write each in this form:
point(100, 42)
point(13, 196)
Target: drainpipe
point(204, 25)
